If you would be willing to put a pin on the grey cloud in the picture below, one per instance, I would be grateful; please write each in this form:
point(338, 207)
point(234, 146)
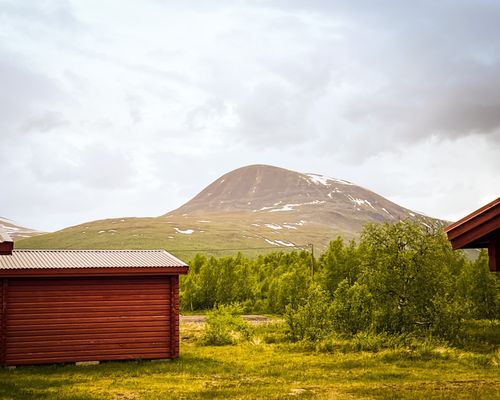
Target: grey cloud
point(423, 68)
point(49, 13)
point(95, 166)
point(25, 94)
point(199, 116)
point(273, 115)
point(44, 122)
point(135, 105)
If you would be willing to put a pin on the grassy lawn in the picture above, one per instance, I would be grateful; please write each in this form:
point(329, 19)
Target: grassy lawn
point(260, 370)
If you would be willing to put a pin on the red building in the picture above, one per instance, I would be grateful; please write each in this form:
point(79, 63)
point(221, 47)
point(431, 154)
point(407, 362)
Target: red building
point(87, 305)
point(480, 229)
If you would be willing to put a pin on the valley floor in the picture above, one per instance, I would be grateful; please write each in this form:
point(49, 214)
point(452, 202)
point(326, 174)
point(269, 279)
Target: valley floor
point(259, 370)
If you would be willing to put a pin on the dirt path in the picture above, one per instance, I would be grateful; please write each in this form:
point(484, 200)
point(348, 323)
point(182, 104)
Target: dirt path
point(200, 319)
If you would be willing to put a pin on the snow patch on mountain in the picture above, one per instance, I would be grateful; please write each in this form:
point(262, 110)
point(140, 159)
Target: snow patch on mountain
point(184, 232)
point(360, 202)
point(273, 226)
point(323, 180)
point(13, 230)
point(288, 207)
point(280, 243)
point(283, 243)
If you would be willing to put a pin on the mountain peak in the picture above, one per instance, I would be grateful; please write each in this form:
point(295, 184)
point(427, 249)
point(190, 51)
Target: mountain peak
point(269, 189)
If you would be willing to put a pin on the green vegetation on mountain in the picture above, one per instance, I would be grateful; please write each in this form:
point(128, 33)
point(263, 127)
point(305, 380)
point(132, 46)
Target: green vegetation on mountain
point(251, 209)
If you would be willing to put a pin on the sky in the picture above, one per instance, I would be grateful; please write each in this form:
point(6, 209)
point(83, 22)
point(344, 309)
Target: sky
point(130, 108)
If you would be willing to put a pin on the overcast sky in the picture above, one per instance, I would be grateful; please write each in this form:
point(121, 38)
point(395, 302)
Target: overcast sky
point(115, 108)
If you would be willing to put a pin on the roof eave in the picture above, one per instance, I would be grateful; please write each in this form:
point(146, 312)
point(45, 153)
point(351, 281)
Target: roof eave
point(474, 230)
point(77, 272)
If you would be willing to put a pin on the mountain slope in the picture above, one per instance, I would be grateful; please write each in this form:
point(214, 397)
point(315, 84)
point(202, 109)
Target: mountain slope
point(15, 231)
point(263, 189)
point(251, 207)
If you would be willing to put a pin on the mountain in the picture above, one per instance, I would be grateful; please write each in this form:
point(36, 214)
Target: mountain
point(15, 231)
point(263, 190)
point(257, 206)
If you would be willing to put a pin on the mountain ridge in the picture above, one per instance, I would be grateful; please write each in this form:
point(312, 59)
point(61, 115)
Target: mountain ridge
point(264, 188)
point(16, 231)
point(250, 207)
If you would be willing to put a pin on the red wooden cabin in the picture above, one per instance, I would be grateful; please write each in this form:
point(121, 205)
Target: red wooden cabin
point(480, 229)
point(87, 305)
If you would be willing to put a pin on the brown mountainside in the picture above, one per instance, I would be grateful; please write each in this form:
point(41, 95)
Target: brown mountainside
point(251, 207)
point(265, 190)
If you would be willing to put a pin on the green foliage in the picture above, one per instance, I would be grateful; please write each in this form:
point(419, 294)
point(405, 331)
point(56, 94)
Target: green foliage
point(481, 288)
point(311, 320)
point(339, 263)
point(407, 272)
point(224, 325)
point(265, 284)
point(401, 278)
point(352, 308)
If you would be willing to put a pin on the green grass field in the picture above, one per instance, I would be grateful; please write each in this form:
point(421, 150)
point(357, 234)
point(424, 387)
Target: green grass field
point(260, 370)
point(215, 236)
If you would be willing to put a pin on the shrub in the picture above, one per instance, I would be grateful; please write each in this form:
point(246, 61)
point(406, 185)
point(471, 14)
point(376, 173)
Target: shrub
point(352, 308)
point(408, 272)
point(311, 320)
point(224, 325)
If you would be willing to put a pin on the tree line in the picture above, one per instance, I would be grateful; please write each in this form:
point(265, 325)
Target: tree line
point(401, 277)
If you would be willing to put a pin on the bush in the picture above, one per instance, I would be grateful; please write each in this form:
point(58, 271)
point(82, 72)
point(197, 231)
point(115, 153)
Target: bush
point(224, 325)
point(408, 272)
point(352, 308)
point(313, 319)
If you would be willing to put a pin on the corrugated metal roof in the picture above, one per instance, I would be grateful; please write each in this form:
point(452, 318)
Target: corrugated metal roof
point(47, 259)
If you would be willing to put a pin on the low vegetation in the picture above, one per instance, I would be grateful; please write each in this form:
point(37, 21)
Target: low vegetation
point(268, 365)
point(398, 315)
point(400, 278)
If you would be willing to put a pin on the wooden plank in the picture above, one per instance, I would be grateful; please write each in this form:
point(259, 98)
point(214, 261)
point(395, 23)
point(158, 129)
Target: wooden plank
point(88, 346)
point(56, 337)
point(41, 293)
point(89, 286)
point(89, 351)
point(136, 297)
point(82, 310)
point(105, 282)
point(83, 327)
point(468, 237)
point(74, 304)
point(112, 313)
point(103, 357)
point(94, 309)
point(124, 319)
point(474, 219)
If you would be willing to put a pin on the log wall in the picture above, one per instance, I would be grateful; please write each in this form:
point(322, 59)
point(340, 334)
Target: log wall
point(46, 320)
